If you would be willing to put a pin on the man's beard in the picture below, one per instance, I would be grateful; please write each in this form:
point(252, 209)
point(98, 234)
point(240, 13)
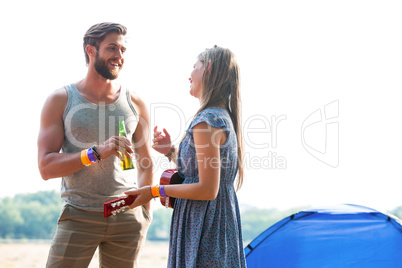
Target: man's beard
point(102, 68)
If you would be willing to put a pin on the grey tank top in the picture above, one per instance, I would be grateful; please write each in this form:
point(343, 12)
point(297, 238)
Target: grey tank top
point(86, 124)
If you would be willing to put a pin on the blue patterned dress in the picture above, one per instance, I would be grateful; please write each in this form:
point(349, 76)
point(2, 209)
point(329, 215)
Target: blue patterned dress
point(208, 233)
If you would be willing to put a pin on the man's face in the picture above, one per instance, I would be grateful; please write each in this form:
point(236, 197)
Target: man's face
point(109, 59)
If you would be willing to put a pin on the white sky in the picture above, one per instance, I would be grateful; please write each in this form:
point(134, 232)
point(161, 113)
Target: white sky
point(296, 57)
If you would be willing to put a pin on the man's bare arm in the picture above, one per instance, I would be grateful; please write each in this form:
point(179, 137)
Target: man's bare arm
point(51, 162)
point(142, 148)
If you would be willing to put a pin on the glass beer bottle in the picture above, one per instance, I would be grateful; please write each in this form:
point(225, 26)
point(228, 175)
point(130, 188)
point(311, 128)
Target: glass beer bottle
point(128, 162)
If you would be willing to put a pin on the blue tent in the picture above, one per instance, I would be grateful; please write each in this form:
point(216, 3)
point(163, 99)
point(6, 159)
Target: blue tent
point(340, 236)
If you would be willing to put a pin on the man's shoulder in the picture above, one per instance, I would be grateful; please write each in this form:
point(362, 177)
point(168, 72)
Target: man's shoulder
point(60, 92)
point(139, 105)
point(58, 95)
point(136, 100)
point(57, 98)
point(54, 105)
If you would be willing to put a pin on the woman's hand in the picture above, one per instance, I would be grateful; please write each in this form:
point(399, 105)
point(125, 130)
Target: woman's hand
point(161, 143)
point(144, 196)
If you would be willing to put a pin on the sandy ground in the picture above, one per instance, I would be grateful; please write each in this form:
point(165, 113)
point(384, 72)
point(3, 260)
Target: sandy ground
point(34, 255)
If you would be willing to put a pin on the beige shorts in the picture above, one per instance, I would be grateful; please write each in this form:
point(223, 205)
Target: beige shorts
point(80, 232)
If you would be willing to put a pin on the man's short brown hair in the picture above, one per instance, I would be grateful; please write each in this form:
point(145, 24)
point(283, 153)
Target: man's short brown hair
point(95, 35)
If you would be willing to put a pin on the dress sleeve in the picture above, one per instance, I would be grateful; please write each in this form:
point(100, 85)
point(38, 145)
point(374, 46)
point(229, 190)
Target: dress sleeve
point(210, 118)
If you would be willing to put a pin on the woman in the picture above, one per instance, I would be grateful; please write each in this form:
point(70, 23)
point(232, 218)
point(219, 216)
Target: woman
point(206, 229)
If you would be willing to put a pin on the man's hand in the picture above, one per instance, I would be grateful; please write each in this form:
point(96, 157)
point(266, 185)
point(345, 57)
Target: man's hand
point(115, 145)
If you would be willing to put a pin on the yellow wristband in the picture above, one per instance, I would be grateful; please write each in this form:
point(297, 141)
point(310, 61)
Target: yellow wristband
point(158, 187)
point(84, 158)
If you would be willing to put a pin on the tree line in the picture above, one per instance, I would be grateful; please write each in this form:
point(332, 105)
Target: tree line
point(35, 215)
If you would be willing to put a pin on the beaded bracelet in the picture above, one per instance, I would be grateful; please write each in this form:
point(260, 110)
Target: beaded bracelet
point(170, 154)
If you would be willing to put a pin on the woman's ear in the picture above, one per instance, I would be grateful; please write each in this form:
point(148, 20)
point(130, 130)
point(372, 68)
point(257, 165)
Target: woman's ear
point(209, 66)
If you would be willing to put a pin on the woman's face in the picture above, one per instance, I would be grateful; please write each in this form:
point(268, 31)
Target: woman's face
point(195, 80)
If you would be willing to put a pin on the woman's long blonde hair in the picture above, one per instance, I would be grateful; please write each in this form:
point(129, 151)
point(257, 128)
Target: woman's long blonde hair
point(221, 87)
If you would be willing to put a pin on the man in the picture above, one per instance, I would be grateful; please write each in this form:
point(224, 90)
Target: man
point(76, 117)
